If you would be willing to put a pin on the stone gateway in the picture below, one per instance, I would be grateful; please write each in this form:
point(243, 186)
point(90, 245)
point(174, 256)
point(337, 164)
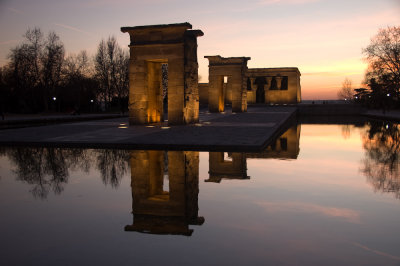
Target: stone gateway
point(157, 51)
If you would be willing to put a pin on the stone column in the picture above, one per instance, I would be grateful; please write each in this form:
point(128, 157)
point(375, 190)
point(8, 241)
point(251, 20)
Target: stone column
point(253, 86)
point(176, 91)
point(278, 79)
point(215, 93)
point(269, 81)
point(237, 94)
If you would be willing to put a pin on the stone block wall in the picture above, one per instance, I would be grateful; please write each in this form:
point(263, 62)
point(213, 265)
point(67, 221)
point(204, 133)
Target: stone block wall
point(273, 88)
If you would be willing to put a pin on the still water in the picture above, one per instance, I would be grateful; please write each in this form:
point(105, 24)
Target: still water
point(322, 195)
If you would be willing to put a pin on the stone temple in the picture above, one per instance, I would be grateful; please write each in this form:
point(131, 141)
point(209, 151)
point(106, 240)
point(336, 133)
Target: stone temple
point(163, 78)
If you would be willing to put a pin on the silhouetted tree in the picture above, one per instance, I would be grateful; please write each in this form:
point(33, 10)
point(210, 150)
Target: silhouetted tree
point(52, 60)
point(80, 86)
point(36, 67)
point(25, 64)
point(122, 77)
point(346, 92)
point(111, 70)
point(362, 95)
point(383, 57)
point(5, 91)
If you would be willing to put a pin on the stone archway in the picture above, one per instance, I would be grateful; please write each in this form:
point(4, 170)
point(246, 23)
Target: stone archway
point(150, 48)
point(235, 68)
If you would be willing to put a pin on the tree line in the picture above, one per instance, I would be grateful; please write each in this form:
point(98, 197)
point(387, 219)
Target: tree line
point(40, 77)
point(382, 78)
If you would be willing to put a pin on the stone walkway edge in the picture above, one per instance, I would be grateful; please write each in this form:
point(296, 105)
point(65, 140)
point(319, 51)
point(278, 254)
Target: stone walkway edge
point(251, 131)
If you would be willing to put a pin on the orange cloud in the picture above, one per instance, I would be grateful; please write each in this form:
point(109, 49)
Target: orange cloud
point(349, 215)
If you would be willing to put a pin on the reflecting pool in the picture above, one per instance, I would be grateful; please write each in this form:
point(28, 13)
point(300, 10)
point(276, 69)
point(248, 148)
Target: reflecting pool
point(319, 195)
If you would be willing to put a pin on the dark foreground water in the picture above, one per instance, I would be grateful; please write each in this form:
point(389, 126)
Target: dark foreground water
point(322, 195)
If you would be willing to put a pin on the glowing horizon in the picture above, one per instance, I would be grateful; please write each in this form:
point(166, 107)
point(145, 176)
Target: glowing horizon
point(323, 38)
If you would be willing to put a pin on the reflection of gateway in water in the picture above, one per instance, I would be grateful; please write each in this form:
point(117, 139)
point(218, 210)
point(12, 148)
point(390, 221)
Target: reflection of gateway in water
point(227, 166)
point(287, 146)
point(234, 165)
point(158, 211)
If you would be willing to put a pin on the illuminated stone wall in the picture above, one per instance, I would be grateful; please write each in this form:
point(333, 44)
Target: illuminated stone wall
point(150, 47)
point(280, 85)
point(234, 68)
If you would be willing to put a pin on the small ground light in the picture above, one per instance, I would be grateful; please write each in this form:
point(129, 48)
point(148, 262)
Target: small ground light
point(91, 101)
point(54, 98)
point(388, 94)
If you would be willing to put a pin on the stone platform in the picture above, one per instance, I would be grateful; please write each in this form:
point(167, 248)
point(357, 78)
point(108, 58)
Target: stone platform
point(250, 131)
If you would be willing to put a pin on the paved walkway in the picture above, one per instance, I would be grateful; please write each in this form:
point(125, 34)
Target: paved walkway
point(18, 121)
point(250, 131)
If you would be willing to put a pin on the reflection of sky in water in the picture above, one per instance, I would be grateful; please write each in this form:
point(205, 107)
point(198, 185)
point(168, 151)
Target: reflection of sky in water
point(316, 209)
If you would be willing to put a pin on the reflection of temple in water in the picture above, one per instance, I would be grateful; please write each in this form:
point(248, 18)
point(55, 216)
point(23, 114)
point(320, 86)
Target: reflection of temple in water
point(156, 207)
point(223, 165)
point(287, 146)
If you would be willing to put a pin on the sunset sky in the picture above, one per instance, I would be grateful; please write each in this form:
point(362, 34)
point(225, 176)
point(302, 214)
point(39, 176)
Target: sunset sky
point(323, 38)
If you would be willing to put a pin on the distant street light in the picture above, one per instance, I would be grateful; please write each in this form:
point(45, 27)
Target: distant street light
point(388, 94)
point(91, 101)
point(54, 98)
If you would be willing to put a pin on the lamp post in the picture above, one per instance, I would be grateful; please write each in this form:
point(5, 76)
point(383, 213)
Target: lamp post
point(54, 103)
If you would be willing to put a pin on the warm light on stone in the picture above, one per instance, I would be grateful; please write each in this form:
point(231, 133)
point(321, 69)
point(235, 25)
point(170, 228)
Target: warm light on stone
point(150, 48)
point(282, 85)
point(235, 69)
